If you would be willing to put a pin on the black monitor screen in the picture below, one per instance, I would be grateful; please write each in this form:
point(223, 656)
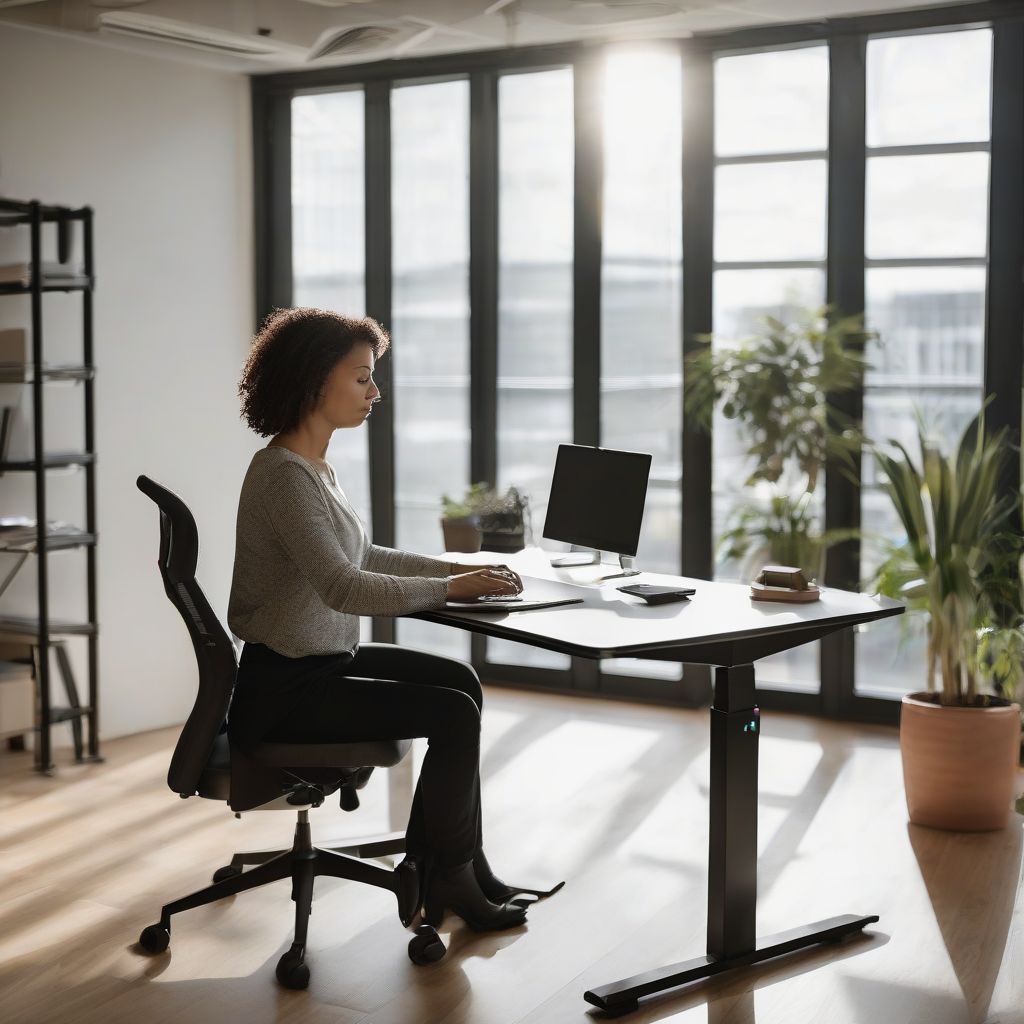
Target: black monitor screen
point(597, 498)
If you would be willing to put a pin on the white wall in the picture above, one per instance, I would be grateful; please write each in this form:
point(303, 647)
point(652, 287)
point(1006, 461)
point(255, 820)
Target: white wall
point(161, 150)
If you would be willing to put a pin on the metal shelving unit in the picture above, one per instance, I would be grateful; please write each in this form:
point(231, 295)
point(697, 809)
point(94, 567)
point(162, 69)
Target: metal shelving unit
point(41, 632)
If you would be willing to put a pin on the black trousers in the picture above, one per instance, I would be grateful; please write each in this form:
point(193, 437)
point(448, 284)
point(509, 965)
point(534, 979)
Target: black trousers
point(383, 692)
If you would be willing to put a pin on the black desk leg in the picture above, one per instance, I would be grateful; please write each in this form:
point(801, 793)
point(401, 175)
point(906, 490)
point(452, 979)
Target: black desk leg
point(732, 860)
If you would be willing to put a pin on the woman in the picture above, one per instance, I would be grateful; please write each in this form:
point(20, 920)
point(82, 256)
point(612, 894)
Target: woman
point(305, 571)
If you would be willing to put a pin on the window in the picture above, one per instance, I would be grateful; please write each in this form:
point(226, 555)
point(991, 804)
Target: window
point(430, 321)
point(328, 254)
point(641, 296)
point(927, 244)
point(771, 172)
point(535, 265)
point(927, 94)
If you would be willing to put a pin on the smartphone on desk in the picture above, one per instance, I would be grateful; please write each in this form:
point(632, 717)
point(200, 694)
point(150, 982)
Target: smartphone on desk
point(654, 594)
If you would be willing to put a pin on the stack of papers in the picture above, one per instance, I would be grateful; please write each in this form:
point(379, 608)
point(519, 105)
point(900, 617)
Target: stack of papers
point(53, 272)
point(20, 531)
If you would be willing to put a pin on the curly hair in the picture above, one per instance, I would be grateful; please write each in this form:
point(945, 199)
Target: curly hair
point(291, 357)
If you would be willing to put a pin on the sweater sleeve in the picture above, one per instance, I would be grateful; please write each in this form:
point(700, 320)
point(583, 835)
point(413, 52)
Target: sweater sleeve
point(301, 520)
point(404, 563)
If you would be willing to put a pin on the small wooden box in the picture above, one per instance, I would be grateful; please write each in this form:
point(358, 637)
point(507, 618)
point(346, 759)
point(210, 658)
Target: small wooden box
point(17, 699)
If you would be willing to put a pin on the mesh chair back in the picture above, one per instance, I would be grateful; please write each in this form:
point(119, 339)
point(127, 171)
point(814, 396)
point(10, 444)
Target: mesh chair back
point(215, 654)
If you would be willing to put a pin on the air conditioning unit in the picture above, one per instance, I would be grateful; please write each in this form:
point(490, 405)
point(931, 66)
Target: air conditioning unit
point(167, 30)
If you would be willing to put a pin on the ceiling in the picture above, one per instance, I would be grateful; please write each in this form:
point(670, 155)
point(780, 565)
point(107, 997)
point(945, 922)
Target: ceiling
point(255, 36)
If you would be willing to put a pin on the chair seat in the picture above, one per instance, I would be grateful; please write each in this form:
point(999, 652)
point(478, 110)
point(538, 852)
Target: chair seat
point(348, 756)
point(215, 781)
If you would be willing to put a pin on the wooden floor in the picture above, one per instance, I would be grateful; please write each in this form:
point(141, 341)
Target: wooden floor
point(610, 796)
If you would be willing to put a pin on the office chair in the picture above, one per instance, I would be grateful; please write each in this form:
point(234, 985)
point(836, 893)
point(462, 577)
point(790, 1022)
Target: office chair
point(270, 776)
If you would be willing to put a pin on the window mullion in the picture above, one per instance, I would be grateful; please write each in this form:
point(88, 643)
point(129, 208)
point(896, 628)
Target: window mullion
point(377, 185)
point(1004, 313)
point(845, 292)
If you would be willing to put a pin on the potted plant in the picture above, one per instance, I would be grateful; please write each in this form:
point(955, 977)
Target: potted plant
point(485, 518)
point(460, 520)
point(504, 520)
point(780, 385)
point(959, 747)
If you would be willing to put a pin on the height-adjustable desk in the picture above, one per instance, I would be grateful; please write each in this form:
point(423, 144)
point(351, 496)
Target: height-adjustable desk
point(719, 626)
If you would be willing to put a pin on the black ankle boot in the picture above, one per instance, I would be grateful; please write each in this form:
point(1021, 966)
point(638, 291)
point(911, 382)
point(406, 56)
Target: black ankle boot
point(491, 886)
point(457, 889)
point(498, 891)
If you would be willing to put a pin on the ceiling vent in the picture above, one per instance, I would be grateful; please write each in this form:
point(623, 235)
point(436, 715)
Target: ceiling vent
point(358, 39)
point(167, 30)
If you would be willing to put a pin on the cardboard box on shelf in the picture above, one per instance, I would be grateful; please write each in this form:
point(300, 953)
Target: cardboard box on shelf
point(13, 345)
point(17, 699)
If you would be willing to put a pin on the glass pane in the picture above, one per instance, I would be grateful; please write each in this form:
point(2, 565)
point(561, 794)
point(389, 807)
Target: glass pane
point(328, 264)
point(508, 652)
point(430, 322)
point(771, 211)
point(740, 299)
point(773, 102)
point(931, 205)
point(327, 202)
point(932, 322)
point(932, 327)
point(535, 279)
point(535, 210)
point(641, 293)
point(929, 88)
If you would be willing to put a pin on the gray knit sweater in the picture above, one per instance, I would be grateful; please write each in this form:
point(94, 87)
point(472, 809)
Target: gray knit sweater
point(305, 569)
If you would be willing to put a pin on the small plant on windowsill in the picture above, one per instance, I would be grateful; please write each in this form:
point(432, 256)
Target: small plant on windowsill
point(505, 520)
point(486, 518)
point(460, 519)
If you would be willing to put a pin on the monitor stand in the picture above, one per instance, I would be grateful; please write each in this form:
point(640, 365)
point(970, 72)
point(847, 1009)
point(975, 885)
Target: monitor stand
point(588, 556)
point(577, 556)
point(626, 565)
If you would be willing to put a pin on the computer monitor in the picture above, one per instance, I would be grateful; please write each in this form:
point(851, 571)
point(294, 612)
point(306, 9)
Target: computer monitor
point(597, 502)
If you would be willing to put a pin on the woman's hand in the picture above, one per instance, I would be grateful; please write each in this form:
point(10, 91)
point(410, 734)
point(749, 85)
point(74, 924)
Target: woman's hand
point(468, 586)
point(458, 570)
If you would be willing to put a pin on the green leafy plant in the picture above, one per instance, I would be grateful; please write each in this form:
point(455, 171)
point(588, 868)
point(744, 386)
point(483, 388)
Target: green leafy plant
point(780, 386)
point(469, 506)
point(495, 511)
point(951, 564)
point(1001, 659)
point(785, 532)
point(507, 512)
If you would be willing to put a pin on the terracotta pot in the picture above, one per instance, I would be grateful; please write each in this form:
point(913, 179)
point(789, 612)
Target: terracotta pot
point(959, 764)
point(461, 535)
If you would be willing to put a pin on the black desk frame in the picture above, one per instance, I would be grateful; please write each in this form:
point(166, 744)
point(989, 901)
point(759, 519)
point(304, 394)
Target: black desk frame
point(732, 939)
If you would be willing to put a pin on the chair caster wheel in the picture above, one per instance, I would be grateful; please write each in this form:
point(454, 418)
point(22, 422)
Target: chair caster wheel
point(226, 872)
point(426, 946)
point(291, 971)
point(155, 938)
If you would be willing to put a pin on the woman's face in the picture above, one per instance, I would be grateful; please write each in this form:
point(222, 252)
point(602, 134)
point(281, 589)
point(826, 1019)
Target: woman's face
point(350, 390)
